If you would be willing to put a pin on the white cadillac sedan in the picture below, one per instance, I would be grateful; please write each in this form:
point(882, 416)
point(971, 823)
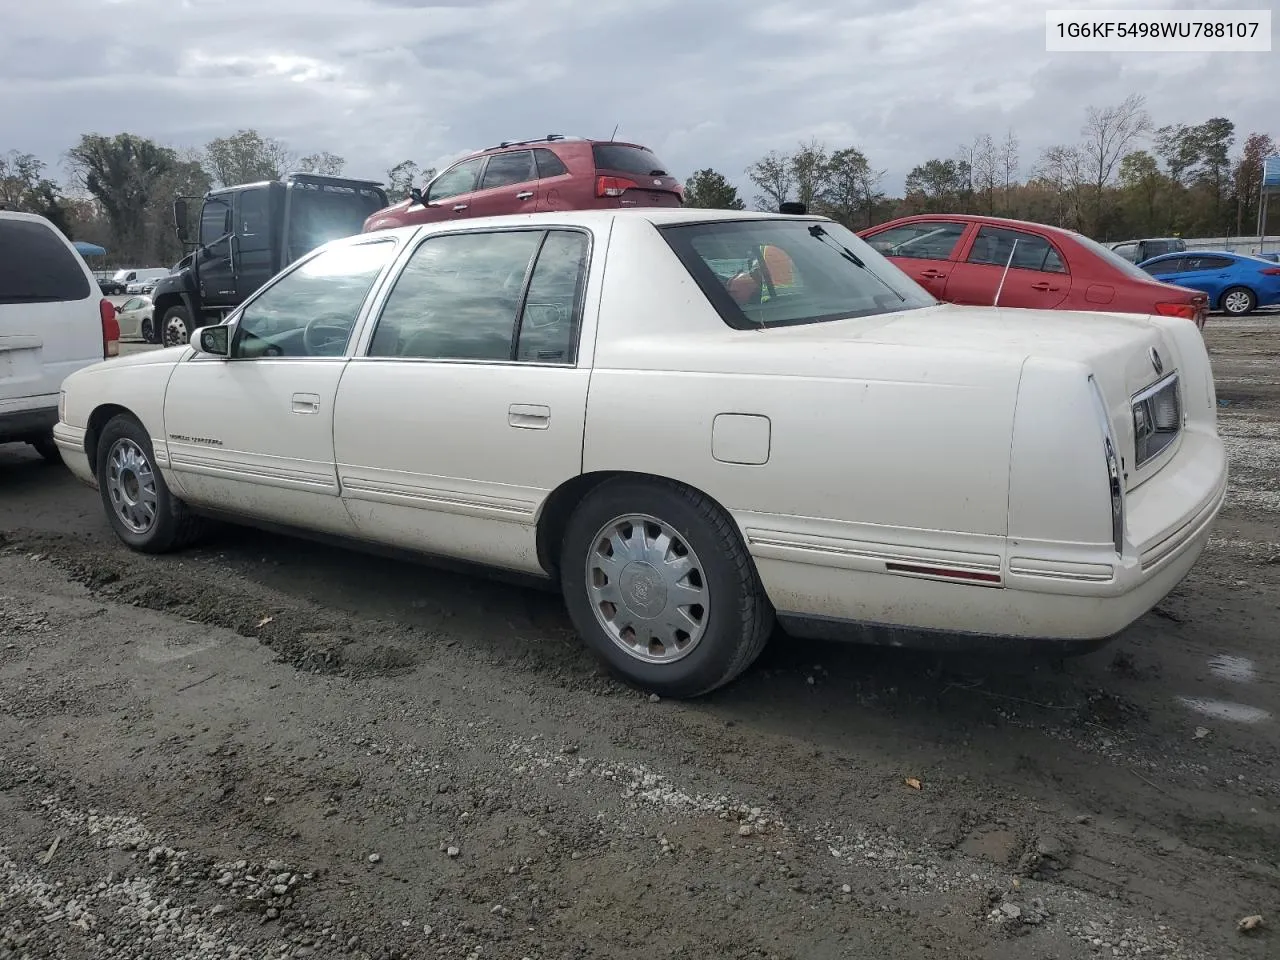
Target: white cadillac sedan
point(695, 421)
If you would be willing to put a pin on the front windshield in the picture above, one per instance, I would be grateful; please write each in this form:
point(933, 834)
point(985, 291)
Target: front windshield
point(322, 212)
point(770, 273)
point(1111, 257)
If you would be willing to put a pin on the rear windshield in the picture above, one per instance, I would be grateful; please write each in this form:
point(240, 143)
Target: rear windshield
point(36, 266)
point(773, 273)
point(1111, 257)
point(622, 158)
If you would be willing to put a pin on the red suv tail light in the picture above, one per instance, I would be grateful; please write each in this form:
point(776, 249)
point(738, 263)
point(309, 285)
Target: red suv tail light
point(110, 329)
point(613, 186)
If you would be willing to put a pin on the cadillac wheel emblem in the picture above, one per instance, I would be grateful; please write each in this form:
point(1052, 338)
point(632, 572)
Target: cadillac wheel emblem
point(1156, 361)
point(657, 183)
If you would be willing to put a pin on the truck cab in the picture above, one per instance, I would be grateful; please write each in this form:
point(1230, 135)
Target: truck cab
point(245, 235)
point(1139, 251)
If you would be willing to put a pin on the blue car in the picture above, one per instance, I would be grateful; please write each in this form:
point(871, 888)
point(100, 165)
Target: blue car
point(1236, 283)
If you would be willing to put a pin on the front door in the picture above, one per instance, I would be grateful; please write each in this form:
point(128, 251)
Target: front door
point(922, 249)
point(214, 254)
point(1010, 268)
point(253, 434)
point(449, 195)
point(464, 407)
point(254, 257)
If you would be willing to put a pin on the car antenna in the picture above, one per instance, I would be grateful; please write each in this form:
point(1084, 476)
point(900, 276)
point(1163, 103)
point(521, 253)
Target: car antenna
point(614, 135)
point(1008, 264)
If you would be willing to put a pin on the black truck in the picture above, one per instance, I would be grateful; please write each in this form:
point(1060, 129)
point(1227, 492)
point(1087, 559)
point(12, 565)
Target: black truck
point(247, 234)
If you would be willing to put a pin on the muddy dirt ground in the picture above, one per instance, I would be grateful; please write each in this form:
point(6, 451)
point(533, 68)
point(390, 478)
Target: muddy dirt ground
point(266, 748)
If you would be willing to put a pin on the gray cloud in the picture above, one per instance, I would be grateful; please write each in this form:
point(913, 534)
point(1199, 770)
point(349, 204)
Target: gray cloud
point(709, 83)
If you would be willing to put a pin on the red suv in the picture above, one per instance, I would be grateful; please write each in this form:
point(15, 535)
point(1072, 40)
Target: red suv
point(972, 259)
point(531, 176)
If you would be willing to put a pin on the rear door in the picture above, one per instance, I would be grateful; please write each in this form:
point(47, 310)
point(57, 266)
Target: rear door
point(50, 322)
point(555, 182)
point(1010, 268)
point(628, 175)
point(923, 249)
point(509, 184)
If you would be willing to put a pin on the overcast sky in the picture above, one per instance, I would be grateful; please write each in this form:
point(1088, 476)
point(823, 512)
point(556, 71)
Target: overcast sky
point(703, 82)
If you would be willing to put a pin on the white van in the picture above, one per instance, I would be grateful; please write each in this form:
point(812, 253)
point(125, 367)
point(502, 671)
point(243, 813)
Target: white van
point(53, 321)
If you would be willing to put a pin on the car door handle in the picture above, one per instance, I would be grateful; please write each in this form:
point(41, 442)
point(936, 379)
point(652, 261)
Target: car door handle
point(1043, 286)
point(524, 194)
point(459, 207)
point(306, 403)
point(933, 274)
point(529, 416)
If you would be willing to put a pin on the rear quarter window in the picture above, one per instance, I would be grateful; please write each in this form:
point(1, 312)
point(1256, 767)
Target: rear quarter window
point(36, 266)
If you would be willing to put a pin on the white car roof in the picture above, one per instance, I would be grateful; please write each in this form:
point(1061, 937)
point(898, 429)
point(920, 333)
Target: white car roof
point(659, 216)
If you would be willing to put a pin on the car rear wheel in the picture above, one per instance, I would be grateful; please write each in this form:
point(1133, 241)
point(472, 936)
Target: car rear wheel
point(140, 507)
point(175, 329)
point(146, 330)
point(1238, 301)
point(660, 586)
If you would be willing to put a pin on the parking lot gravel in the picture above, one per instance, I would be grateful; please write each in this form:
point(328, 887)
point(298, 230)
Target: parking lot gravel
point(266, 748)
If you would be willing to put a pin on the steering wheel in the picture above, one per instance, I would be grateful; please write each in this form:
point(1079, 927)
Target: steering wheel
point(326, 336)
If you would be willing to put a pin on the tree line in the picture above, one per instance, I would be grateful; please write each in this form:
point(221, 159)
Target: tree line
point(1121, 177)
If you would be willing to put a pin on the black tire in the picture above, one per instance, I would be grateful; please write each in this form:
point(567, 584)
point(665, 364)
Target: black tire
point(738, 617)
point(173, 525)
point(175, 328)
point(1246, 298)
point(147, 330)
point(45, 446)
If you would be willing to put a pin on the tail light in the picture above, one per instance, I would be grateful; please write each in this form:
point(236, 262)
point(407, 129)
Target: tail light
point(1187, 311)
point(1270, 271)
point(110, 329)
point(613, 186)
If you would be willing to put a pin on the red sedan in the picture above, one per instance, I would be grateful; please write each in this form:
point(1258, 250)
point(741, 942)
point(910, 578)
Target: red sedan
point(990, 261)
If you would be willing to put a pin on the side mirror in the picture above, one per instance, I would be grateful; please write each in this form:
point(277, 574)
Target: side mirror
point(180, 219)
point(215, 341)
point(416, 196)
point(117, 308)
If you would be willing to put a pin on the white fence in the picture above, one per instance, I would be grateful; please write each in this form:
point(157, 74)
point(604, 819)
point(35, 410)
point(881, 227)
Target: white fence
point(1269, 244)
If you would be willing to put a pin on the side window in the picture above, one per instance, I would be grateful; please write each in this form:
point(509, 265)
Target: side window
point(215, 222)
point(549, 321)
point(457, 298)
point(549, 165)
point(132, 304)
point(1127, 250)
point(254, 210)
point(458, 179)
point(1207, 263)
point(997, 246)
point(924, 240)
point(505, 169)
point(311, 311)
point(1164, 267)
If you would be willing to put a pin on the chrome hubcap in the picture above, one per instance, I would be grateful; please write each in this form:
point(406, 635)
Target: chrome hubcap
point(647, 588)
point(1237, 302)
point(175, 331)
point(131, 485)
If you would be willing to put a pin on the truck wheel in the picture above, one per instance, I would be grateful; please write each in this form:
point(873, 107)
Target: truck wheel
point(141, 509)
point(175, 329)
point(45, 446)
point(660, 585)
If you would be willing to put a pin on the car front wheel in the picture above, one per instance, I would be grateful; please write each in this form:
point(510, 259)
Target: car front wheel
point(660, 586)
point(140, 507)
point(175, 329)
point(1238, 301)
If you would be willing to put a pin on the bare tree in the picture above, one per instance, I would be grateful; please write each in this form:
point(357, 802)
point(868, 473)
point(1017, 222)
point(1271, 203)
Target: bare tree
point(1109, 133)
point(985, 167)
point(1009, 161)
point(809, 167)
point(774, 177)
point(1063, 169)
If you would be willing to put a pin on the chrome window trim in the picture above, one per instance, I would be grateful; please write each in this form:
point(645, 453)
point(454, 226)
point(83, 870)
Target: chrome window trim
point(1115, 476)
